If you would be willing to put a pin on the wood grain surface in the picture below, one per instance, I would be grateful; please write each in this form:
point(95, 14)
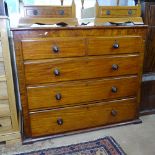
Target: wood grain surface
point(103, 45)
point(42, 71)
point(43, 48)
point(81, 117)
point(77, 92)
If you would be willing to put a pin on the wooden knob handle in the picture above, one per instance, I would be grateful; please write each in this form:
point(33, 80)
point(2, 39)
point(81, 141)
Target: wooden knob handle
point(108, 12)
point(60, 121)
point(115, 45)
point(114, 113)
point(114, 90)
point(115, 67)
point(35, 12)
point(56, 72)
point(55, 49)
point(58, 96)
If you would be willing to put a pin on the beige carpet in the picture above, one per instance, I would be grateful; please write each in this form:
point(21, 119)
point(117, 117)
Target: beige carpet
point(134, 139)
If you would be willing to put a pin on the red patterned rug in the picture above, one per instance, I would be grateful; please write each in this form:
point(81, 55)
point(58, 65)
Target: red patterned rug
point(103, 146)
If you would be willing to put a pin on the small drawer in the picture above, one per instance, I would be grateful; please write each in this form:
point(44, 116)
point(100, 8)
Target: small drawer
point(77, 92)
point(82, 117)
point(5, 124)
point(114, 45)
point(53, 48)
point(67, 69)
point(48, 12)
point(2, 69)
point(118, 12)
point(4, 108)
point(3, 90)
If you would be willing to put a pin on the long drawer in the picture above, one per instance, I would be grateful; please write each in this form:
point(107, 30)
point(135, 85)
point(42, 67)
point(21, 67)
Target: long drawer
point(76, 92)
point(111, 12)
point(48, 12)
point(53, 48)
point(46, 71)
point(93, 115)
point(114, 45)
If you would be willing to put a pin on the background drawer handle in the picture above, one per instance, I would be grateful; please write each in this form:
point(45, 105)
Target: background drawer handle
point(58, 96)
point(115, 67)
point(115, 45)
point(108, 12)
point(60, 121)
point(56, 72)
point(114, 113)
point(129, 12)
point(35, 12)
point(114, 90)
point(0, 125)
point(55, 49)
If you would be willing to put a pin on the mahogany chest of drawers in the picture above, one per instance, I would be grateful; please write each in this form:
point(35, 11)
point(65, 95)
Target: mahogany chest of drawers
point(78, 77)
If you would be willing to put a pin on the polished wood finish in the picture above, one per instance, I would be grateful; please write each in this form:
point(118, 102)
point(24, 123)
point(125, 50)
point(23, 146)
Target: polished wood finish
point(59, 85)
point(80, 68)
point(81, 117)
point(46, 48)
point(77, 92)
point(124, 45)
point(8, 113)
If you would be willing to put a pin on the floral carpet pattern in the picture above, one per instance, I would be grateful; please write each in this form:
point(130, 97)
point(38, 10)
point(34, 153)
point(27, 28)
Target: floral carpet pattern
point(103, 146)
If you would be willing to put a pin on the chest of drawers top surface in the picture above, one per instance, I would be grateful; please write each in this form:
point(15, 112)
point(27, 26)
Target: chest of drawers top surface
point(66, 74)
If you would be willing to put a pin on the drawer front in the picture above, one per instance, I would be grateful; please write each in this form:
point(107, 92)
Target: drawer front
point(80, 68)
point(5, 124)
point(48, 12)
point(3, 90)
point(111, 12)
point(114, 45)
point(4, 108)
point(53, 48)
point(82, 117)
point(77, 92)
point(2, 71)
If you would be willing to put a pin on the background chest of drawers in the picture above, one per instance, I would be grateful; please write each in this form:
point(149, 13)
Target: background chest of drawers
point(8, 115)
point(78, 78)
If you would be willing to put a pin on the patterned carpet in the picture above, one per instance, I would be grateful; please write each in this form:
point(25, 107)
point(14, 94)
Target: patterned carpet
point(103, 146)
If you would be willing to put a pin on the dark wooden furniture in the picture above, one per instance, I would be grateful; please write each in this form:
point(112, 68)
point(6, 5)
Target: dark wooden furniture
point(78, 77)
point(148, 86)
